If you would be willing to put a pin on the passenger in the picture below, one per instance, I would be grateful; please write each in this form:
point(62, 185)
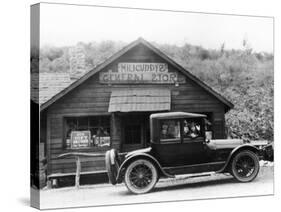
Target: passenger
point(186, 128)
point(164, 131)
point(176, 133)
point(194, 130)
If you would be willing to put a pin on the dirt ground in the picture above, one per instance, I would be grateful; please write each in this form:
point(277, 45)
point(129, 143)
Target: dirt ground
point(181, 188)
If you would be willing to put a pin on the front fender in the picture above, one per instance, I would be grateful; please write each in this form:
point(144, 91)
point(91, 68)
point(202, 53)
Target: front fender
point(239, 148)
point(131, 158)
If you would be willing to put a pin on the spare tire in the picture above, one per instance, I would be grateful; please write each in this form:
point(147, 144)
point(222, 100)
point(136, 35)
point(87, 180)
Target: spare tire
point(112, 165)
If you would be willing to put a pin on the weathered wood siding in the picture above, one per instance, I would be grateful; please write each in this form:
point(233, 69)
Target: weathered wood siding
point(92, 98)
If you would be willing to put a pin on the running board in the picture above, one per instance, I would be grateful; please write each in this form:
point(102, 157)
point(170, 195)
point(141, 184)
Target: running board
point(194, 169)
point(186, 176)
point(189, 176)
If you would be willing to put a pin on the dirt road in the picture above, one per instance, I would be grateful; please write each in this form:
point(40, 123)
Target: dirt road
point(182, 188)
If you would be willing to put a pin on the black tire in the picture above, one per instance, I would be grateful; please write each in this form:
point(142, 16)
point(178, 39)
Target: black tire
point(245, 166)
point(112, 165)
point(141, 176)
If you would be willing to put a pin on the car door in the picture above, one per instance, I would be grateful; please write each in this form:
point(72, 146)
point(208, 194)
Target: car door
point(176, 149)
point(193, 141)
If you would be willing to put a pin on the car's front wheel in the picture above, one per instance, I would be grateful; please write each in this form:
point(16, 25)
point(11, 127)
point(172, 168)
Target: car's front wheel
point(245, 166)
point(140, 176)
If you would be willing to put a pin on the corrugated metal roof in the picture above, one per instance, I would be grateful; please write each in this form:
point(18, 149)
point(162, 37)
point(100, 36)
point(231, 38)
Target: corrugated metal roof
point(124, 100)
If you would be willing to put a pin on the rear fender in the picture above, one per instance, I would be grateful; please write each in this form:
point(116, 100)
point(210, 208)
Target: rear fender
point(131, 158)
point(234, 151)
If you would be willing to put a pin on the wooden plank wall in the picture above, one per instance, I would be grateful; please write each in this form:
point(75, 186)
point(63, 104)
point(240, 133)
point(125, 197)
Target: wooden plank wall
point(92, 98)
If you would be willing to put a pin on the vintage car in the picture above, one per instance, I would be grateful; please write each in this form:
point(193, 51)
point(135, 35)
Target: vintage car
point(180, 144)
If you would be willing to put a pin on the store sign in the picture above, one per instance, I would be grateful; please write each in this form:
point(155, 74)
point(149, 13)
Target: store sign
point(142, 68)
point(139, 73)
point(102, 141)
point(80, 139)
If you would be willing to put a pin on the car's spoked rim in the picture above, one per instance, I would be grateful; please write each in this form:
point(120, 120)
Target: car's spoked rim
point(245, 166)
point(141, 176)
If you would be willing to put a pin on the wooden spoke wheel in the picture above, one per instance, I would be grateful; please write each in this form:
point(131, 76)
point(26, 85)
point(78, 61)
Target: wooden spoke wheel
point(245, 166)
point(140, 176)
point(112, 165)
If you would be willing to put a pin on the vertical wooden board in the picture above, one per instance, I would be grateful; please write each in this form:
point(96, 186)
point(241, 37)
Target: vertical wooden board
point(116, 135)
point(219, 125)
point(78, 170)
point(48, 150)
point(56, 127)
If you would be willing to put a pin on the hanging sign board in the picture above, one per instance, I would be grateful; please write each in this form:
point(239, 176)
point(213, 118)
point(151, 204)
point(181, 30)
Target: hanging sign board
point(80, 139)
point(155, 73)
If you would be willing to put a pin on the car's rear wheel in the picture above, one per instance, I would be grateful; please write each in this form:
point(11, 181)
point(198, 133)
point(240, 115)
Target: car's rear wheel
point(112, 165)
point(140, 176)
point(245, 166)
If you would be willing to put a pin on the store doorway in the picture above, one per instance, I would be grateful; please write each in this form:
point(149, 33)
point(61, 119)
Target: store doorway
point(135, 131)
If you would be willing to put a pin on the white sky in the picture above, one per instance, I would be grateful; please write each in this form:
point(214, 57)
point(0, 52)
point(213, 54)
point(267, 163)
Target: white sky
point(68, 24)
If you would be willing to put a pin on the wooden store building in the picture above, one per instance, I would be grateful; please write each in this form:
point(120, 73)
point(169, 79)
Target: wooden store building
point(109, 106)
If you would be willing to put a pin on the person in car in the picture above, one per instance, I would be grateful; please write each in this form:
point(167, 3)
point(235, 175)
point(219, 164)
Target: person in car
point(164, 131)
point(186, 129)
point(193, 130)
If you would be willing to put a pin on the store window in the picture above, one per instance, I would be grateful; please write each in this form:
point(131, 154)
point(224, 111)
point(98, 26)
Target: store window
point(170, 131)
point(86, 132)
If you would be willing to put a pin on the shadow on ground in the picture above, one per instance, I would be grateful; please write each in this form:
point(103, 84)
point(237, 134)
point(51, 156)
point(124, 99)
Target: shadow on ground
point(195, 184)
point(186, 185)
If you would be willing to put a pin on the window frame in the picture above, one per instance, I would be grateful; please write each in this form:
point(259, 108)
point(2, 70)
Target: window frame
point(196, 139)
point(182, 140)
point(90, 148)
point(211, 118)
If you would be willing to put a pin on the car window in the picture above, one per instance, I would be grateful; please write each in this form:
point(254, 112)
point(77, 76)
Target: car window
point(192, 128)
point(170, 131)
point(208, 129)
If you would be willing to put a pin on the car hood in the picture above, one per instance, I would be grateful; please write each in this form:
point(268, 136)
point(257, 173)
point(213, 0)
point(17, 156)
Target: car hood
point(145, 150)
point(224, 143)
